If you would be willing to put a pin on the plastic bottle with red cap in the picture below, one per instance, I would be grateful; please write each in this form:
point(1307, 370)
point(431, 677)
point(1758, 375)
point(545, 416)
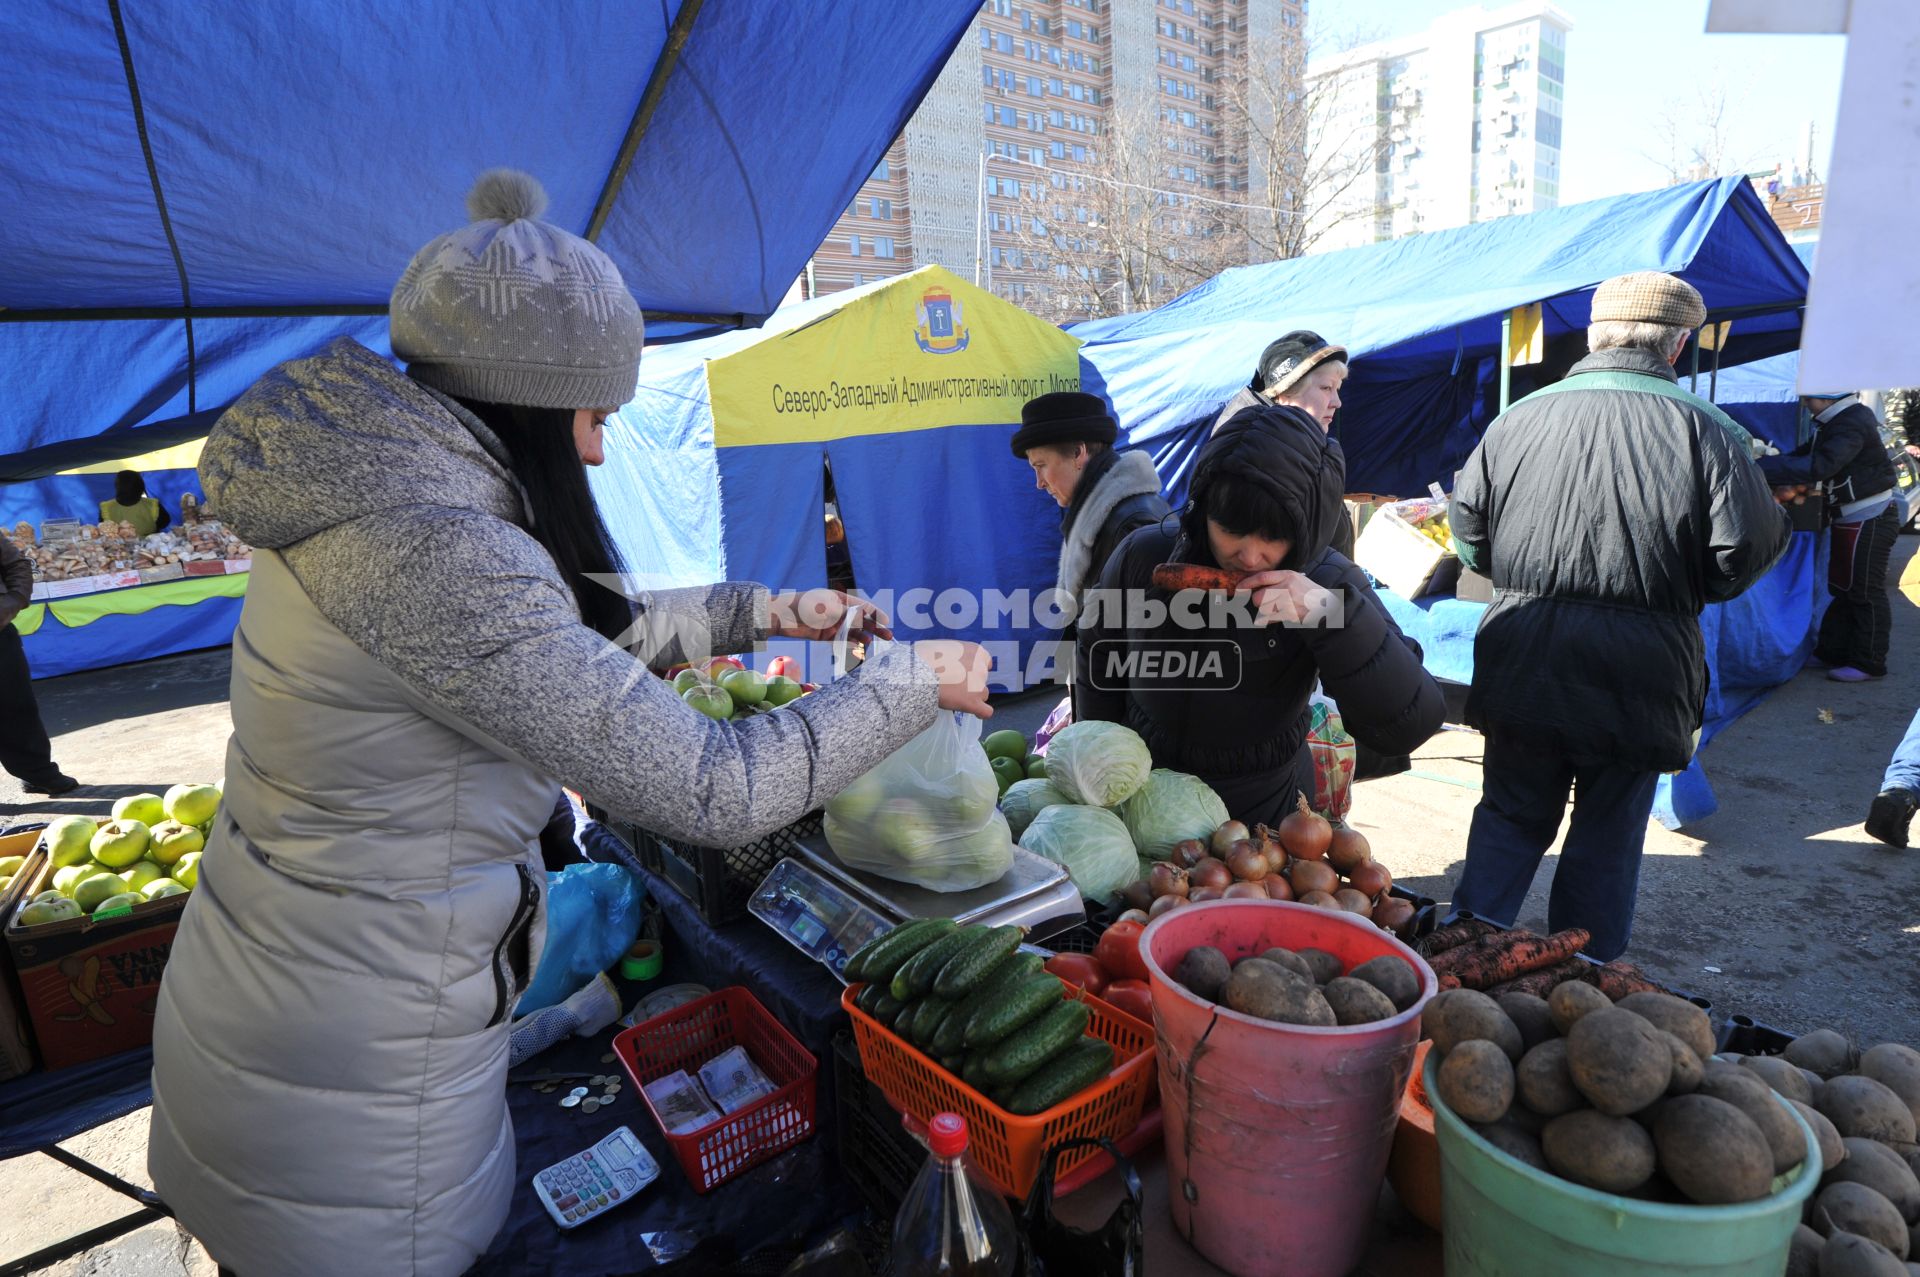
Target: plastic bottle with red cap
point(952, 1224)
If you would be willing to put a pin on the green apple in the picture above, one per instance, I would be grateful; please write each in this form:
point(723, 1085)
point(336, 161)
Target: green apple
point(782, 690)
point(1037, 767)
point(66, 878)
point(686, 679)
point(58, 909)
point(119, 843)
point(67, 840)
point(124, 900)
point(161, 888)
point(906, 829)
point(10, 865)
point(1006, 744)
point(142, 873)
point(1006, 771)
point(192, 804)
point(859, 802)
point(747, 687)
point(45, 896)
point(186, 871)
point(90, 893)
point(145, 808)
point(172, 840)
point(5, 883)
point(714, 702)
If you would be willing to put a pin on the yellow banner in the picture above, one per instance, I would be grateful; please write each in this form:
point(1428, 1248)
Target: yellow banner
point(927, 350)
point(181, 456)
point(84, 609)
point(30, 618)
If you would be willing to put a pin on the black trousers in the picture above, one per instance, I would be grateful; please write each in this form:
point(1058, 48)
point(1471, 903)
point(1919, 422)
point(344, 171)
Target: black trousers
point(25, 751)
point(1858, 625)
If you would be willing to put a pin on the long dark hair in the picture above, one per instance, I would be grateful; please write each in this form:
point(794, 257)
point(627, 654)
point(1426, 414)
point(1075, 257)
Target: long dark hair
point(542, 456)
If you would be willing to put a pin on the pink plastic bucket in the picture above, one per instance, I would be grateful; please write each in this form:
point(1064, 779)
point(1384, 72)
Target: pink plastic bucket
point(1277, 1136)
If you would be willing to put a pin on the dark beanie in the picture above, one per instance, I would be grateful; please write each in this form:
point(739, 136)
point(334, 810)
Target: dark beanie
point(1292, 357)
point(1064, 417)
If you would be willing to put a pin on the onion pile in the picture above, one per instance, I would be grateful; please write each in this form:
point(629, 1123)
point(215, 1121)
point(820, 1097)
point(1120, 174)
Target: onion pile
point(1306, 859)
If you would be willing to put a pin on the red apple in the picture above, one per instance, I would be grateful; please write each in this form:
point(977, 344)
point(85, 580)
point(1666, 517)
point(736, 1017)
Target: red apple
point(721, 664)
point(784, 666)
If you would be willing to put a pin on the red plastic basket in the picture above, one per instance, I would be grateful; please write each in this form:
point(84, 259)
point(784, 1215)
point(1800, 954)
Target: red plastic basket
point(689, 1036)
point(1007, 1148)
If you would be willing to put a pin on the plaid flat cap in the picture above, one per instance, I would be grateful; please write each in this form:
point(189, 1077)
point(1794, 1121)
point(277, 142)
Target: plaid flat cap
point(1649, 297)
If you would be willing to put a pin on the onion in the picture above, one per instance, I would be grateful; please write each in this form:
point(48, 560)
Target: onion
point(1370, 878)
point(1189, 853)
point(1269, 844)
point(1320, 900)
point(1347, 848)
point(1393, 913)
point(1312, 875)
point(1353, 902)
point(1227, 835)
point(1245, 891)
point(1200, 895)
point(1134, 915)
point(1165, 904)
point(1305, 832)
point(1211, 873)
point(1138, 894)
point(1167, 879)
point(1246, 862)
point(1277, 888)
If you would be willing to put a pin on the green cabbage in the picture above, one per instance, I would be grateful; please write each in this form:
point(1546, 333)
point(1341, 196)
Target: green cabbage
point(1024, 800)
point(1098, 764)
point(1092, 845)
point(1170, 808)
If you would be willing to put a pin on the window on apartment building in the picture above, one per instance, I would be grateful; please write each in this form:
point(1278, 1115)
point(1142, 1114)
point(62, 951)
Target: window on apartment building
point(853, 245)
point(881, 172)
point(1035, 89)
point(1055, 118)
point(883, 246)
point(1026, 20)
point(1080, 154)
point(882, 208)
point(1007, 116)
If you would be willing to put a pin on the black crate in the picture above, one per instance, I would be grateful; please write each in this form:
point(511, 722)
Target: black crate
point(719, 881)
point(877, 1154)
point(1743, 1035)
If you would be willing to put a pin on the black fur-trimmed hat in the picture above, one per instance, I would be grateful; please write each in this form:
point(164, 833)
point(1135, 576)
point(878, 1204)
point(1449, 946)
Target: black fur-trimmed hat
point(1065, 416)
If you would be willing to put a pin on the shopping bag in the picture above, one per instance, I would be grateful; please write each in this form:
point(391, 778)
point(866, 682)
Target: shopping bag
point(1054, 1248)
point(1334, 759)
point(594, 914)
point(1059, 718)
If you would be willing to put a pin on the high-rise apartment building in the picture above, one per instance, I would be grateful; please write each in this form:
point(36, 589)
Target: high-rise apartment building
point(1460, 123)
point(1053, 121)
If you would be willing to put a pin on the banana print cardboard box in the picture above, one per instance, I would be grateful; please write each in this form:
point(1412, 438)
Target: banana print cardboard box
point(91, 985)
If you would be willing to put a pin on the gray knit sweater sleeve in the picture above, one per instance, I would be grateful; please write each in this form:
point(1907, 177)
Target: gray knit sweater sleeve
point(673, 626)
point(470, 614)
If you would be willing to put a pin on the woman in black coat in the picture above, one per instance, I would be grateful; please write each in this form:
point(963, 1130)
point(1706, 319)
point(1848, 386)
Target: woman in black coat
point(1220, 687)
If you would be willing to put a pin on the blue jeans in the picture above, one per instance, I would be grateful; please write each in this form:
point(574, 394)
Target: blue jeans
point(1526, 779)
point(1903, 772)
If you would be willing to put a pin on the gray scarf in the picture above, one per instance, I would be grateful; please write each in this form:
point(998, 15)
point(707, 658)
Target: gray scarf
point(1131, 475)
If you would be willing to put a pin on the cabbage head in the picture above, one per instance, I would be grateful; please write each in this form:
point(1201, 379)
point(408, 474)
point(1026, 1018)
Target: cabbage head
point(1092, 845)
point(1170, 808)
point(1098, 764)
point(1024, 800)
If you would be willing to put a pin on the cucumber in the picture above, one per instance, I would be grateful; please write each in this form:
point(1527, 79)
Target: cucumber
point(967, 968)
point(886, 1007)
point(877, 959)
point(1026, 1001)
point(953, 1063)
point(914, 979)
point(1019, 1057)
point(973, 1072)
point(927, 1014)
point(868, 995)
point(1064, 1076)
point(1009, 971)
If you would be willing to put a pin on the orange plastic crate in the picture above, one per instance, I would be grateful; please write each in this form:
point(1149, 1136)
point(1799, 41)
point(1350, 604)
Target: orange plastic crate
point(1004, 1147)
point(689, 1036)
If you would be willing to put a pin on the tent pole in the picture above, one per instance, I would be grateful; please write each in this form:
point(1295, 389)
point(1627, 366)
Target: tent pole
point(643, 114)
point(1713, 381)
point(1694, 385)
point(1506, 362)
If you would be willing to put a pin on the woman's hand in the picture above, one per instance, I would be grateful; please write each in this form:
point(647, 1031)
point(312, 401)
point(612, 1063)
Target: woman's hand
point(817, 615)
point(1288, 598)
point(962, 668)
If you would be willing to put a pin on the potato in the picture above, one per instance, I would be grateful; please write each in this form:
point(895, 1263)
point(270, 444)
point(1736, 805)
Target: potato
point(1203, 971)
point(1323, 964)
point(1687, 1068)
point(1515, 1141)
point(1855, 1208)
point(1823, 1051)
point(1618, 1061)
point(1783, 1077)
point(1531, 1016)
point(1850, 1255)
point(1877, 1167)
point(1356, 1001)
point(1393, 977)
point(1861, 1106)
point(1803, 1253)
point(1476, 1081)
point(1611, 1154)
point(1756, 1099)
point(1543, 1082)
point(1462, 1015)
point(1711, 1150)
point(1290, 960)
point(1676, 1016)
point(1259, 988)
point(1897, 1068)
point(1832, 1150)
point(1815, 1084)
point(1572, 999)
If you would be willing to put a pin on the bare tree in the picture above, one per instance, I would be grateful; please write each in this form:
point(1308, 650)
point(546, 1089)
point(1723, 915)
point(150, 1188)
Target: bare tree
point(1693, 138)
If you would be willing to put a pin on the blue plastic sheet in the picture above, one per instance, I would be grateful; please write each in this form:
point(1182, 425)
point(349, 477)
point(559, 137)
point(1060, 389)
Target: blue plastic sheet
point(594, 914)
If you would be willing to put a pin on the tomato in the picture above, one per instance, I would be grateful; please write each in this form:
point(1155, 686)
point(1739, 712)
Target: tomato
point(1133, 997)
point(1119, 951)
point(1080, 969)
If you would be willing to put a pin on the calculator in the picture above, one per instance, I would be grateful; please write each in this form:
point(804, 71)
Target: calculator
point(594, 1182)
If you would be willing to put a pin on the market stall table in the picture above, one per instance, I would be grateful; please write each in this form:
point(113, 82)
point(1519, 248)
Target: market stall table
point(114, 627)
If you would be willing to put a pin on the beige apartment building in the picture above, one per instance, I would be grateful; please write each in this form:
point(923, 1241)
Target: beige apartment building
point(1011, 172)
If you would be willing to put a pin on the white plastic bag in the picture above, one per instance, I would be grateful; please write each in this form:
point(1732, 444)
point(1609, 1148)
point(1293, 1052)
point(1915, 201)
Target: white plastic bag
point(928, 814)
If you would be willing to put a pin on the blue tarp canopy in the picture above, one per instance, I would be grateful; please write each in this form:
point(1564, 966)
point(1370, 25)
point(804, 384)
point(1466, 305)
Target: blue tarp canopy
point(197, 192)
point(1422, 318)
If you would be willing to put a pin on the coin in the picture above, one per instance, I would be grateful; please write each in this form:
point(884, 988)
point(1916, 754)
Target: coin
point(607, 1058)
point(578, 1092)
point(569, 1101)
point(589, 1106)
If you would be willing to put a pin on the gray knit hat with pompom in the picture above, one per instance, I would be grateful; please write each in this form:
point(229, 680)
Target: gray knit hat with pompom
point(514, 310)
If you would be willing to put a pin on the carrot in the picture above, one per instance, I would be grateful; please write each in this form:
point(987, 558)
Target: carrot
point(1448, 982)
point(1541, 982)
point(1520, 953)
point(1175, 577)
point(1618, 979)
point(1452, 936)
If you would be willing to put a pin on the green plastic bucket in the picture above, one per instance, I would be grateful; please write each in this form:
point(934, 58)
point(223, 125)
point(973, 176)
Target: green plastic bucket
point(1505, 1219)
